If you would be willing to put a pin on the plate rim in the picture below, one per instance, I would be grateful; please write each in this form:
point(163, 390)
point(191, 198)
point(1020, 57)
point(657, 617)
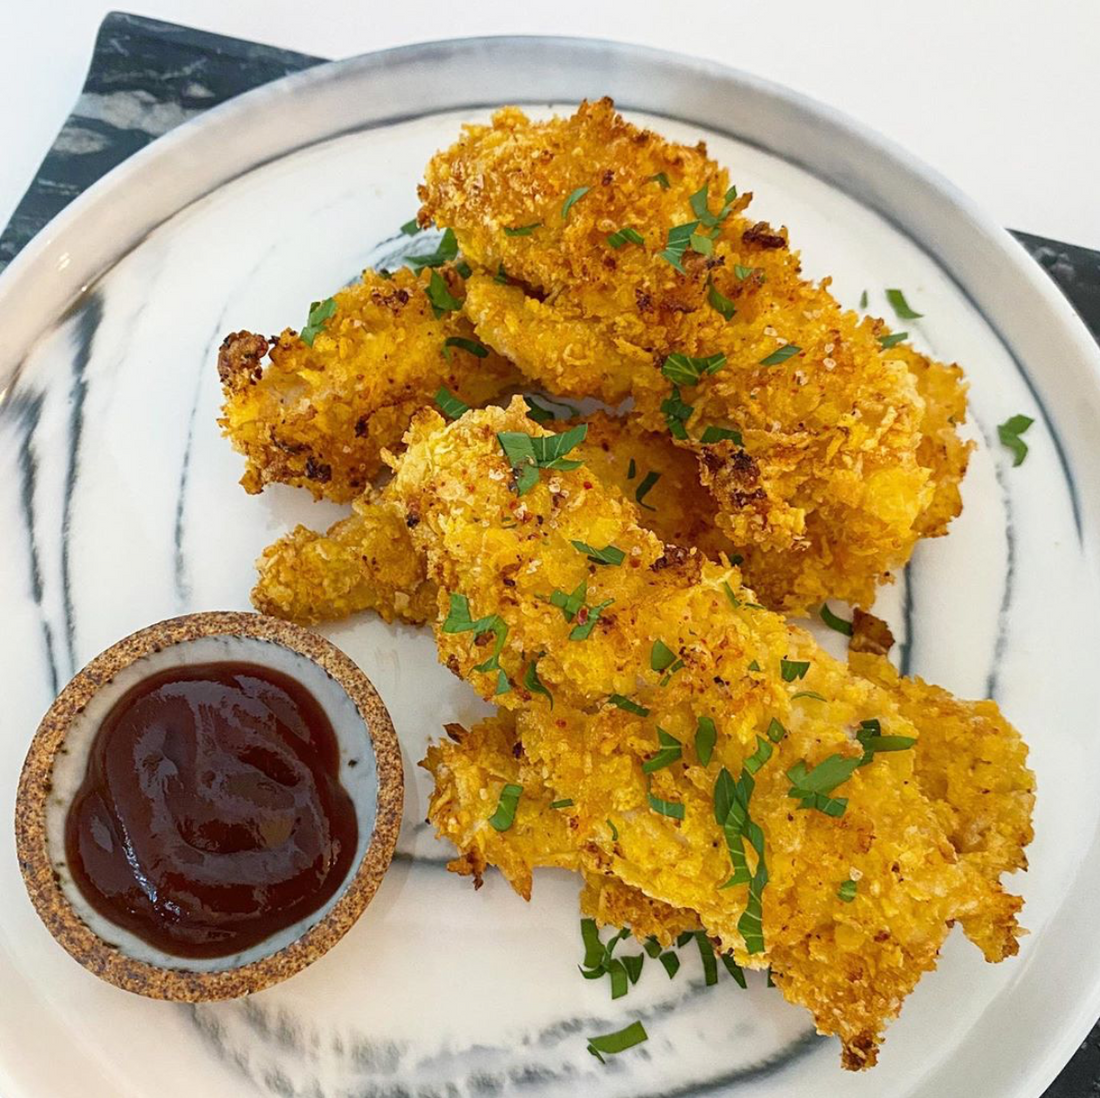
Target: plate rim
point(48, 255)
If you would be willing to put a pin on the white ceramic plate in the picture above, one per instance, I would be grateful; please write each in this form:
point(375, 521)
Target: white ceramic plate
point(119, 506)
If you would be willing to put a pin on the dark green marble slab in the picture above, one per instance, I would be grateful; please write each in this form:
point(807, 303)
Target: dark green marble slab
point(147, 77)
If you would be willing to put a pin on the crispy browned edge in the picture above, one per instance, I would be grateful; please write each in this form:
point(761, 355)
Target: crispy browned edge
point(108, 961)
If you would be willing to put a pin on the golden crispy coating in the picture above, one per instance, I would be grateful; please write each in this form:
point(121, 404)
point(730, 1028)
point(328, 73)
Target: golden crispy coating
point(842, 465)
point(852, 963)
point(364, 562)
point(368, 562)
point(319, 416)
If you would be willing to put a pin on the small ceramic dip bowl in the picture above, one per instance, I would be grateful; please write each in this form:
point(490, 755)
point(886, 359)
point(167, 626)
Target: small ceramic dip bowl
point(369, 772)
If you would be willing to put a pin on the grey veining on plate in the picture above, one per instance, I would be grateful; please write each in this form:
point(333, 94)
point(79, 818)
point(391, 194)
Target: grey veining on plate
point(146, 78)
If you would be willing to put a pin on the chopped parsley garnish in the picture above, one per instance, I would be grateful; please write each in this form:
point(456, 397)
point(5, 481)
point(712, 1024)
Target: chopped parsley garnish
point(685, 370)
point(872, 741)
point(673, 809)
point(459, 621)
point(503, 685)
point(449, 404)
point(528, 453)
point(502, 275)
point(609, 554)
point(706, 735)
point(671, 751)
point(574, 196)
point(847, 891)
point(660, 179)
point(776, 731)
point(537, 412)
point(671, 963)
point(567, 803)
point(760, 756)
point(505, 815)
point(631, 470)
point(731, 810)
point(587, 616)
point(834, 621)
point(625, 235)
point(612, 1043)
point(676, 413)
point(901, 306)
point(684, 937)
point(533, 683)
point(633, 965)
point(523, 230)
point(734, 969)
point(464, 268)
point(808, 694)
point(411, 228)
point(742, 272)
point(593, 947)
point(628, 705)
point(570, 604)
point(863, 300)
point(614, 831)
point(719, 302)
point(793, 669)
point(1009, 433)
point(751, 923)
point(735, 602)
point(661, 657)
point(679, 240)
point(441, 298)
point(706, 955)
point(755, 666)
point(319, 312)
point(445, 251)
point(652, 946)
point(702, 242)
point(471, 346)
point(812, 787)
point(720, 434)
point(700, 206)
point(892, 340)
point(643, 489)
point(789, 350)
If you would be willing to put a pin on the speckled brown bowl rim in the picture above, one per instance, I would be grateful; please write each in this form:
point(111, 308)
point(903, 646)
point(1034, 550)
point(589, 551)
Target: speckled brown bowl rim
point(108, 961)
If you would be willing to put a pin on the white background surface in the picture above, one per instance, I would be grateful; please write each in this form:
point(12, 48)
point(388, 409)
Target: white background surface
point(1002, 96)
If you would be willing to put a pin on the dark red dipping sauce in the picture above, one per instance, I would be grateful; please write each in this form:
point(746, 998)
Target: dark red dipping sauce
point(211, 814)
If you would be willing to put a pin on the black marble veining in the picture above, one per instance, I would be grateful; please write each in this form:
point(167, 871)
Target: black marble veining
point(146, 77)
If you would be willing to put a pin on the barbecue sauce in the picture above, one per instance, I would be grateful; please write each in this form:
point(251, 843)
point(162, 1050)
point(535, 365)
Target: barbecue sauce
point(211, 814)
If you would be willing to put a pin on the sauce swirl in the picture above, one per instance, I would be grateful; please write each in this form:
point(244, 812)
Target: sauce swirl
point(211, 814)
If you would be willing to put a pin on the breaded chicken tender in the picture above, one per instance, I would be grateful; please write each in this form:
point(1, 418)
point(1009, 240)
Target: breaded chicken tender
point(319, 416)
point(843, 453)
point(682, 640)
point(368, 561)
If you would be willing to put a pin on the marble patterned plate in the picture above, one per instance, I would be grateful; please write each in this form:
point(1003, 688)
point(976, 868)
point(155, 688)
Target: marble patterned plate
point(119, 506)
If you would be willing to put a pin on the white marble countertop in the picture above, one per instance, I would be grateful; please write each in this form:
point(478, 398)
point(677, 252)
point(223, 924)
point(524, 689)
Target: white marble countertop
point(1002, 96)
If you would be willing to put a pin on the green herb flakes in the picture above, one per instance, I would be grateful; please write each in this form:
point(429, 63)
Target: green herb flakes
point(793, 669)
point(625, 235)
point(411, 228)
point(609, 554)
point(502, 275)
point(587, 616)
point(449, 404)
point(863, 300)
point(661, 657)
point(441, 298)
point(742, 272)
point(811, 787)
point(570, 604)
point(566, 803)
point(706, 735)
point(610, 1044)
point(679, 240)
point(671, 750)
point(319, 312)
point(528, 453)
point(706, 955)
point(672, 809)
point(789, 350)
point(523, 230)
point(1009, 433)
point(776, 731)
point(671, 963)
point(676, 414)
point(760, 756)
point(614, 831)
point(538, 412)
point(808, 694)
point(470, 346)
point(735, 970)
point(872, 741)
point(628, 705)
point(573, 198)
point(533, 683)
point(892, 340)
point(685, 370)
point(445, 251)
point(643, 489)
point(459, 621)
point(834, 621)
point(847, 891)
point(901, 306)
point(660, 179)
point(505, 815)
point(720, 434)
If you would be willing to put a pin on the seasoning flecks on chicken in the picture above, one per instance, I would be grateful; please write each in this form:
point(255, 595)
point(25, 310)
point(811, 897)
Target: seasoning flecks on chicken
point(503, 556)
point(836, 475)
point(318, 416)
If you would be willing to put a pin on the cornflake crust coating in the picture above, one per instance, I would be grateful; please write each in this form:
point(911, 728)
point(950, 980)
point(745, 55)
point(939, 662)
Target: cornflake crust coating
point(318, 416)
point(844, 452)
point(682, 639)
